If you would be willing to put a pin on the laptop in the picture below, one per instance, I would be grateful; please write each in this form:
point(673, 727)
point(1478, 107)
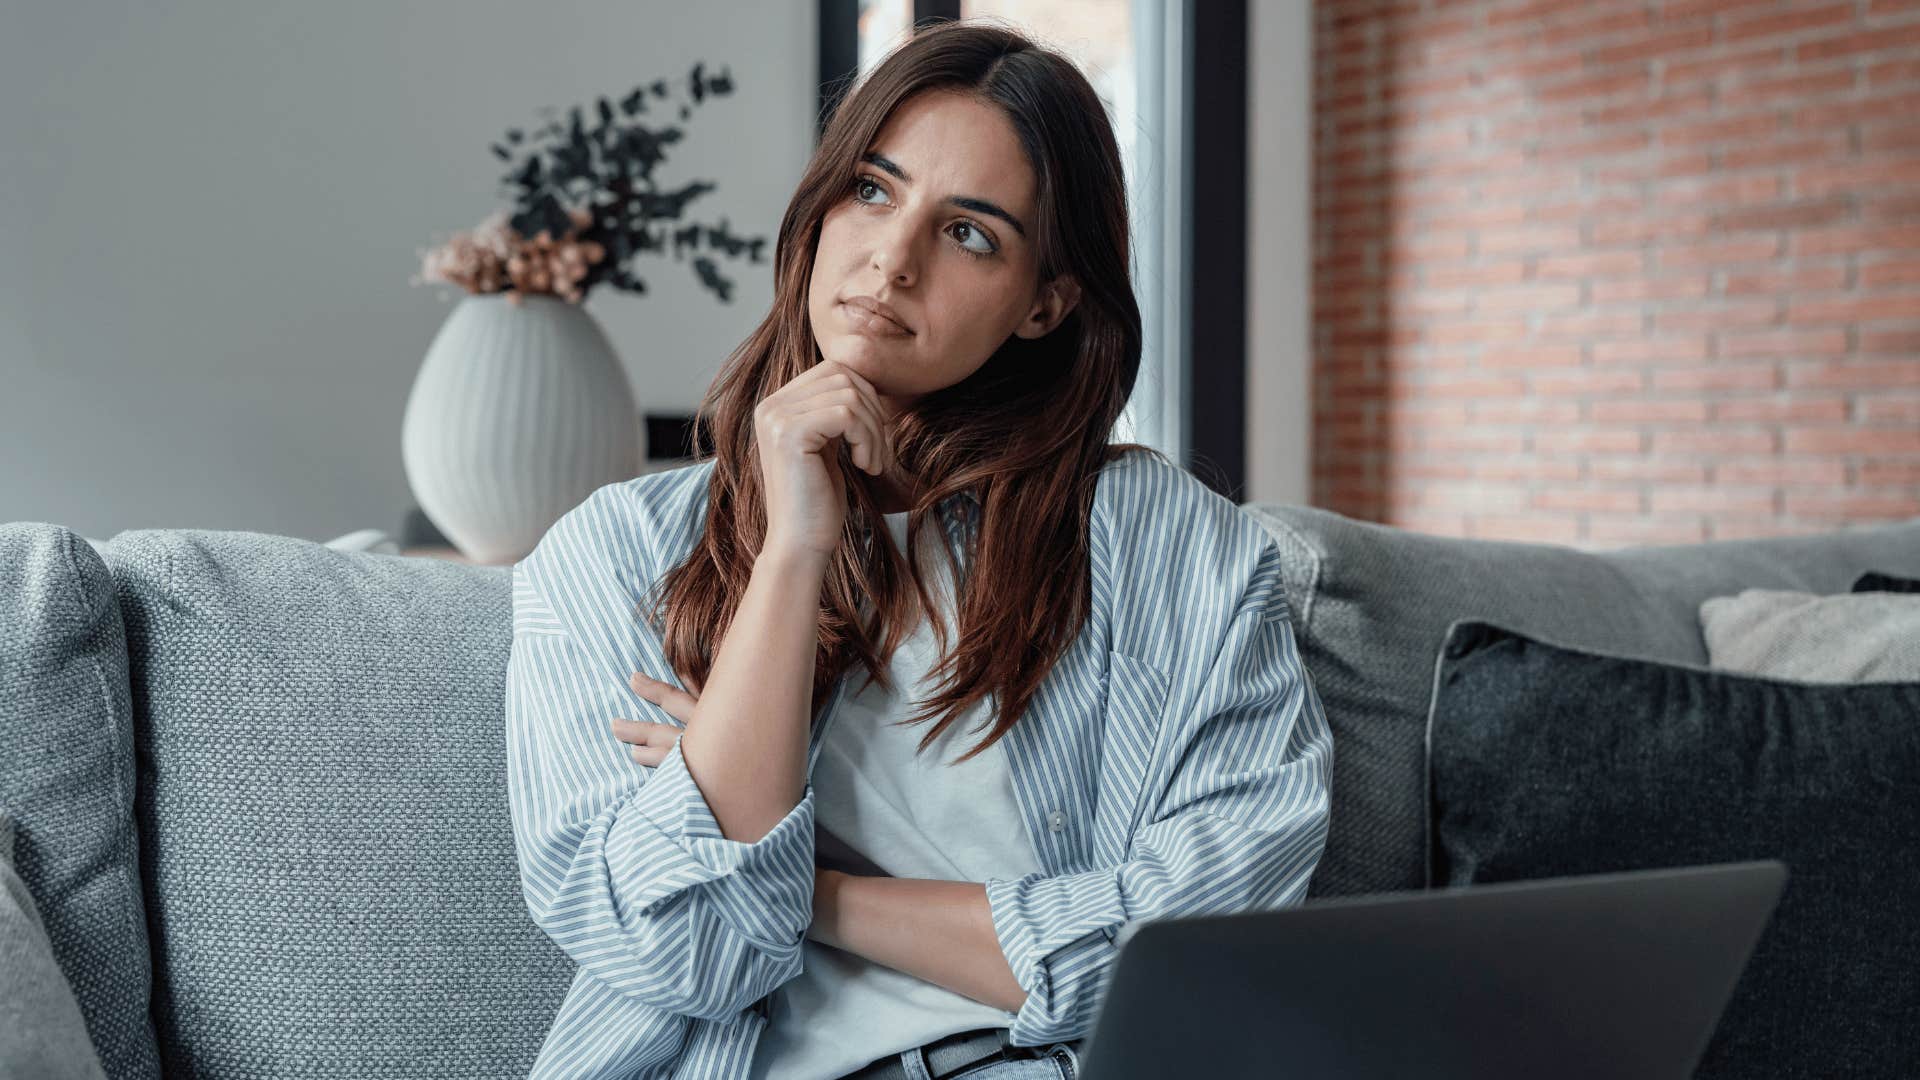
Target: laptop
point(1611, 975)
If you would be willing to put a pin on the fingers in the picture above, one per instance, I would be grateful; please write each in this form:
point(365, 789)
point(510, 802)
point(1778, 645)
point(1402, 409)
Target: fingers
point(825, 376)
point(877, 455)
point(645, 732)
point(650, 756)
point(844, 411)
point(647, 742)
point(822, 372)
point(678, 703)
point(858, 384)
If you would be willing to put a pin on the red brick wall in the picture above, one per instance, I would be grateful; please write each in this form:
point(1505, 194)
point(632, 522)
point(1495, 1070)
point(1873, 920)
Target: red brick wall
point(1605, 272)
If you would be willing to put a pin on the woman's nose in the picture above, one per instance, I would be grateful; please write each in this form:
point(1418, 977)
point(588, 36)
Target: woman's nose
point(895, 254)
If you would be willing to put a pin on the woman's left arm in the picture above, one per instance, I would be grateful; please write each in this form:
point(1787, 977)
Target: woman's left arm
point(940, 931)
point(1236, 815)
point(1238, 823)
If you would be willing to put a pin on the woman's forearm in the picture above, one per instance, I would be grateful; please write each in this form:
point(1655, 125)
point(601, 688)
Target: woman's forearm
point(746, 747)
point(940, 931)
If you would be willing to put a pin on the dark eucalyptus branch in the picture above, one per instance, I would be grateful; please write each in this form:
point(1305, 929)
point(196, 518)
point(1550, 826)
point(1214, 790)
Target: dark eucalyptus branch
point(605, 173)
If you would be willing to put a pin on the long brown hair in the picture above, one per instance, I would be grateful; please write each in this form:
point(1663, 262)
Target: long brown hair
point(1027, 433)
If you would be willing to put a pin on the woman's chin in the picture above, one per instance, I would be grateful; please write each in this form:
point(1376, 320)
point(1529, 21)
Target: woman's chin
point(862, 355)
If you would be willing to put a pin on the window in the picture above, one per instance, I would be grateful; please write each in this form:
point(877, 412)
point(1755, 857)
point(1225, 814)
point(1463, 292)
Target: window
point(883, 25)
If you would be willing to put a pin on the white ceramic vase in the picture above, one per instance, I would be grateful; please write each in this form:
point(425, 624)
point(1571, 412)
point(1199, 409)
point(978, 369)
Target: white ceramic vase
point(518, 413)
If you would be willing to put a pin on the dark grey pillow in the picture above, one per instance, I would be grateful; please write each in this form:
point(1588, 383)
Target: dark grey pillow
point(1549, 761)
point(1874, 581)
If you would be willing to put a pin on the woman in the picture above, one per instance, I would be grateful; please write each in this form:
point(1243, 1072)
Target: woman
point(766, 868)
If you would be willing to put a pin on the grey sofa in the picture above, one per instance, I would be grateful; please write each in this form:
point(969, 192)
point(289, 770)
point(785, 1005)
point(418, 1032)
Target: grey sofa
point(258, 797)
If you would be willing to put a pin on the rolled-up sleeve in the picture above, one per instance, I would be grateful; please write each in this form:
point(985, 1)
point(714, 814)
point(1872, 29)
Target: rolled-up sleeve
point(1238, 823)
point(622, 865)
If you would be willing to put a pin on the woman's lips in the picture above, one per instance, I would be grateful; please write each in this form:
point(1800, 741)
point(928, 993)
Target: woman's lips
point(868, 322)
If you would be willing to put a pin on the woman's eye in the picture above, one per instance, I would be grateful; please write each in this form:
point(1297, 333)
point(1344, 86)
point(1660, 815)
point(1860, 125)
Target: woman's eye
point(861, 183)
point(973, 232)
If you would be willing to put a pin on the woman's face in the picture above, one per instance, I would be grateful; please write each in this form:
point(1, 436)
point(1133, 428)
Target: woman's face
point(936, 223)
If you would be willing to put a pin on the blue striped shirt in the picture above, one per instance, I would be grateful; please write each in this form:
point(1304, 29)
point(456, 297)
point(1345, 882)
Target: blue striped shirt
point(1175, 762)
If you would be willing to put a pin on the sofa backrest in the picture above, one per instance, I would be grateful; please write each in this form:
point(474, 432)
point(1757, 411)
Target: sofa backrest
point(1372, 604)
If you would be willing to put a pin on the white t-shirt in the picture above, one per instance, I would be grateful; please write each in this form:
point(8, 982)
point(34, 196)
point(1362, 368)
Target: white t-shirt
point(881, 809)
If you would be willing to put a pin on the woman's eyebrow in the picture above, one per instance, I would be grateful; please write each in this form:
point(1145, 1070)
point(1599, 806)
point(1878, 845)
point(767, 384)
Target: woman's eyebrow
point(978, 206)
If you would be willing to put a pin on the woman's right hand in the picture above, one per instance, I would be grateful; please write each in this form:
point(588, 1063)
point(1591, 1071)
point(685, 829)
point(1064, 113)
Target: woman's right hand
point(797, 431)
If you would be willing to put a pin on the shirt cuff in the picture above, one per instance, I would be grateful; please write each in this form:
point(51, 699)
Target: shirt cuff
point(1058, 936)
point(665, 841)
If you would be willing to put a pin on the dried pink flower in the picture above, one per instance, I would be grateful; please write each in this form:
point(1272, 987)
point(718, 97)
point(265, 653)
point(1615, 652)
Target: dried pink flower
point(493, 258)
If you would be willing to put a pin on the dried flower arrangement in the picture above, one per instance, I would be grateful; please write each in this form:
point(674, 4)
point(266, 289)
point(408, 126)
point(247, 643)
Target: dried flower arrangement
point(584, 205)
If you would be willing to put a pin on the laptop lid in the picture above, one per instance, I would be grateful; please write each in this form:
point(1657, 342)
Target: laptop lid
point(1611, 975)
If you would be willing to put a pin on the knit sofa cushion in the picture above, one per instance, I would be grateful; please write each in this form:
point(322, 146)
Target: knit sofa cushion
point(332, 882)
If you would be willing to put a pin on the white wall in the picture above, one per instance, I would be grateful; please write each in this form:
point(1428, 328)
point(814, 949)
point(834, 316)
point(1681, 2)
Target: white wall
point(209, 214)
point(1279, 250)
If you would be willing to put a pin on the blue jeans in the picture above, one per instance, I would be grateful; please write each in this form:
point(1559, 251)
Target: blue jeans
point(1057, 1062)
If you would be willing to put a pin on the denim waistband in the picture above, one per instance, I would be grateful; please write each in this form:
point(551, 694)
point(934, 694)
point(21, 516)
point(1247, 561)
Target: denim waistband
point(950, 1054)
